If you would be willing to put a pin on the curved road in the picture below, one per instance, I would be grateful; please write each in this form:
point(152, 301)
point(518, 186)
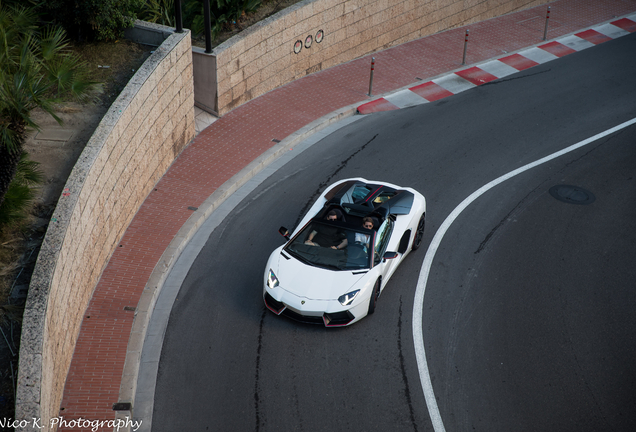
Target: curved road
point(528, 320)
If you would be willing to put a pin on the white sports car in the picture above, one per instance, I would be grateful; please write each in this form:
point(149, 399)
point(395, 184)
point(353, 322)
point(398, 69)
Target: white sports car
point(336, 263)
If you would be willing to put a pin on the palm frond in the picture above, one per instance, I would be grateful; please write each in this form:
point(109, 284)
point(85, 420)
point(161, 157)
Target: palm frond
point(28, 172)
point(21, 192)
point(53, 43)
point(9, 138)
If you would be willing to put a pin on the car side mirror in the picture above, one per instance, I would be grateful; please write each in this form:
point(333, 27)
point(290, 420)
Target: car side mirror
point(390, 255)
point(284, 232)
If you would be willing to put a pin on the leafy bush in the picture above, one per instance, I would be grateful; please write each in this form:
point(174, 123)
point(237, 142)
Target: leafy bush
point(92, 19)
point(21, 192)
point(157, 11)
point(222, 12)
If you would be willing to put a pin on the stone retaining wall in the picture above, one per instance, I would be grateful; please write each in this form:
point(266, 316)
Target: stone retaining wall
point(143, 132)
point(262, 57)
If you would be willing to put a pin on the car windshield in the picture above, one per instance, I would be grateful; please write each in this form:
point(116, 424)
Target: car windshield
point(332, 245)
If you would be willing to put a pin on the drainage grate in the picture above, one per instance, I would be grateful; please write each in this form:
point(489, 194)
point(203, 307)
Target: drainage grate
point(122, 406)
point(572, 194)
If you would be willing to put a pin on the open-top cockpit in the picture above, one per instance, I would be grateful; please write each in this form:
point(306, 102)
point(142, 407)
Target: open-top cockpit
point(353, 228)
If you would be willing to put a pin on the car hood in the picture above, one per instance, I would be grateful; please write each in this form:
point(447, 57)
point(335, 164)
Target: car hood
point(314, 283)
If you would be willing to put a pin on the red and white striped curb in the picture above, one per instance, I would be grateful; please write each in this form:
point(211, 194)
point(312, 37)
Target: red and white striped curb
point(457, 82)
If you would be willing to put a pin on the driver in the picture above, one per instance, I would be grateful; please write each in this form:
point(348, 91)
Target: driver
point(328, 236)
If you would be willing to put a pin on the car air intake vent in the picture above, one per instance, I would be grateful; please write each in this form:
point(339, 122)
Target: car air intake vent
point(273, 305)
point(302, 318)
point(338, 319)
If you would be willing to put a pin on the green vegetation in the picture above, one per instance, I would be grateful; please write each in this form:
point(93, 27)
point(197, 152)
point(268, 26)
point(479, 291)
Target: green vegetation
point(158, 11)
point(21, 192)
point(106, 19)
point(38, 70)
point(14, 216)
point(86, 20)
point(222, 13)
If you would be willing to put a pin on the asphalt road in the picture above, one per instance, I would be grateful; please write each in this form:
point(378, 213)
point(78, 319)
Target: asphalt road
point(528, 314)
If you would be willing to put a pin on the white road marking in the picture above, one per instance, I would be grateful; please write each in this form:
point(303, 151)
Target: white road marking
point(454, 83)
point(418, 339)
point(538, 55)
point(611, 31)
point(497, 68)
point(575, 42)
point(405, 98)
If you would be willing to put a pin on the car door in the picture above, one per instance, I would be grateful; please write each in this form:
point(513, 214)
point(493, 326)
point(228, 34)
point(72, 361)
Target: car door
point(382, 238)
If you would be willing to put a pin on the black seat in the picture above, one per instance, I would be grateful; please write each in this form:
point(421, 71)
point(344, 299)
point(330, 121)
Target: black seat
point(339, 214)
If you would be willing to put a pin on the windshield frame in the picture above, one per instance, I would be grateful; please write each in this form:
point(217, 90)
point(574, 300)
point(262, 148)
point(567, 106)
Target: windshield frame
point(332, 259)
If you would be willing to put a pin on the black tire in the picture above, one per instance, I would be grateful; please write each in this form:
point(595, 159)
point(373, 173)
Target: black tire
point(419, 234)
point(373, 301)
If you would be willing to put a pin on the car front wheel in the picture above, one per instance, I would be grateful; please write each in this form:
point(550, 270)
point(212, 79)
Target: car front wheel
point(374, 297)
point(419, 234)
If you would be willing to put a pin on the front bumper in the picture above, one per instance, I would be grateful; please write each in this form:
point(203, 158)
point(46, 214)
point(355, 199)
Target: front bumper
point(311, 311)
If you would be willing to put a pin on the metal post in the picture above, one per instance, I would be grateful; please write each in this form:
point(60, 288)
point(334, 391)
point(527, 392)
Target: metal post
point(465, 45)
point(207, 26)
point(371, 78)
point(547, 18)
point(177, 16)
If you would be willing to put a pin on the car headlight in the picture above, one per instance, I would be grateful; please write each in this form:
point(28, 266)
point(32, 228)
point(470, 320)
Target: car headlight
point(272, 280)
point(347, 298)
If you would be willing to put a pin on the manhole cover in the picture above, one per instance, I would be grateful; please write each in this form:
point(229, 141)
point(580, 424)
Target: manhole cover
point(572, 194)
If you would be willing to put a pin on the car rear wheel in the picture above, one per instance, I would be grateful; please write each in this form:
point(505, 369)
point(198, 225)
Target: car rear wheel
point(419, 234)
point(374, 297)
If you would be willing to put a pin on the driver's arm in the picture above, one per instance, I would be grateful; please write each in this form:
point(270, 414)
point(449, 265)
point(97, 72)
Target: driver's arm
point(342, 245)
point(310, 238)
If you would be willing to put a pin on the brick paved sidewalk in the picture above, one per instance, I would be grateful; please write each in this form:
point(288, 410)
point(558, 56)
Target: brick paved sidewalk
point(232, 142)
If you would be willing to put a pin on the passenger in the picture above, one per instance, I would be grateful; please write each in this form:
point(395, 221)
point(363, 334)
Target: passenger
point(362, 238)
point(328, 236)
